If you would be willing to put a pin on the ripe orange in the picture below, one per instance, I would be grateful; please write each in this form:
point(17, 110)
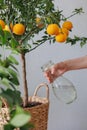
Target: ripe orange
point(61, 37)
point(68, 25)
point(53, 29)
point(6, 28)
point(2, 23)
point(64, 30)
point(18, 29)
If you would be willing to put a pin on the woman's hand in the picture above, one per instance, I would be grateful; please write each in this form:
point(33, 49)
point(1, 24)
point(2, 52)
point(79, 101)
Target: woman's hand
point(55, 71)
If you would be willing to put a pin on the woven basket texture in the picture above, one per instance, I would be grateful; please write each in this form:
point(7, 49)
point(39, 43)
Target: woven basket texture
point(39, 113)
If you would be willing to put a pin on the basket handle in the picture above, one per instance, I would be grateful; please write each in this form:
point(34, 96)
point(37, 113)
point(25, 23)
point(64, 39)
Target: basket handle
point(41, 85)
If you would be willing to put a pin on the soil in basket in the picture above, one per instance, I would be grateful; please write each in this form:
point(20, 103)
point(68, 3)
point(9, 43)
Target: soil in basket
point(33, 104)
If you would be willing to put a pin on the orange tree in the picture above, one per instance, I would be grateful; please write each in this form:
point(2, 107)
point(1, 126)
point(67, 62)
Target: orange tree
point(20, 23)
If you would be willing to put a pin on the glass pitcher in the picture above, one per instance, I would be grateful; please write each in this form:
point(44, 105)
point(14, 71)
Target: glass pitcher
point(63, 88)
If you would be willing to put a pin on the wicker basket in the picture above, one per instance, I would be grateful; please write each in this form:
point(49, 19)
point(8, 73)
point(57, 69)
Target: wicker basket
point(39, 113)
point(4, 114)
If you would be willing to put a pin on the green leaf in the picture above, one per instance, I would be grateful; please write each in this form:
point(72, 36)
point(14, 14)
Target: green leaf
point(5, 82)
point(28, 126)
point(14, 67)
point(5, 94)
point(3, 72)
point(13, 97)
point(20, 118)
point(7, 35)
point(13, 76)
point(4, 37)
point(12, 59)
point(8, 127)
point(14, 43)
point(8, 75)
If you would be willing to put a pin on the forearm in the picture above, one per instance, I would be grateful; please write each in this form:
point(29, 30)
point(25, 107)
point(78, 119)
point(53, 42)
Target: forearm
point(77, 63)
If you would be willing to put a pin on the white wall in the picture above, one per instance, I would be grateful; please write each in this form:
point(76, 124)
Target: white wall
point(61, 116)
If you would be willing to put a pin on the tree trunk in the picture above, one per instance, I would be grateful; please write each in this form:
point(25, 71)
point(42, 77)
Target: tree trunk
point(25, 100)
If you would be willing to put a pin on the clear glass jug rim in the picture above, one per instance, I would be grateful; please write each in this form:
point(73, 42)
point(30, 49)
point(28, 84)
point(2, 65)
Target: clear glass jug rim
point(47, 65)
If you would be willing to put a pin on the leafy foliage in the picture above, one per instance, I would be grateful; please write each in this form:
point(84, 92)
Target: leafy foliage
point(10, 97)
point(26, 12)
point(8, 72)
point(19, 118)
point(82, 40)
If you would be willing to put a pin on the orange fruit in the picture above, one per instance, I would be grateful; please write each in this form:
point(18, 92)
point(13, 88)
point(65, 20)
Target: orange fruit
point(2, 23)
point(61, 37)
point(6, 28)
point(64, 30)
point(18, 29)
point(68, 25)
point(53, 29)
